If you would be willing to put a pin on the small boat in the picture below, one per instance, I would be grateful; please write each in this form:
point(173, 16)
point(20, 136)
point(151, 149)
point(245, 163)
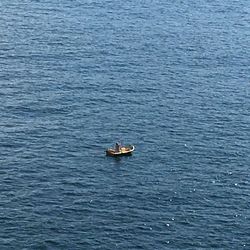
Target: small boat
point(120, 150)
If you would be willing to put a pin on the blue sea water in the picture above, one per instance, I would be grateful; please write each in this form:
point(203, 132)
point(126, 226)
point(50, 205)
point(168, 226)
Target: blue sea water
point(170, 77)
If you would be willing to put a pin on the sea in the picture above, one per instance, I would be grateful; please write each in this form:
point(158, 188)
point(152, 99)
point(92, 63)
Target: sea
point(171, 77)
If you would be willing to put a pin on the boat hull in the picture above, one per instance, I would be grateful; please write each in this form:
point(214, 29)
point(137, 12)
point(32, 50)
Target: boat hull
point(125, 151)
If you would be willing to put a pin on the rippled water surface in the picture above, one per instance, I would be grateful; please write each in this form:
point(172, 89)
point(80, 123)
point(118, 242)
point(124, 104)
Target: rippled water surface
point(170, 77)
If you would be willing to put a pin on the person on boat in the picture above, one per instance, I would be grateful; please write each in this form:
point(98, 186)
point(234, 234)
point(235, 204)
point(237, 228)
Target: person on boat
point(117, 147)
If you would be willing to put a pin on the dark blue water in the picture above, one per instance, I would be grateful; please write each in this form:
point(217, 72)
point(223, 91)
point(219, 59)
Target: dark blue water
point(170, 77)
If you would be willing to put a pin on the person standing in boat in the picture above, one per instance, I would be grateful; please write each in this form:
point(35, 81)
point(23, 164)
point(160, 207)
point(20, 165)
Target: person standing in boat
point(117, 147)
